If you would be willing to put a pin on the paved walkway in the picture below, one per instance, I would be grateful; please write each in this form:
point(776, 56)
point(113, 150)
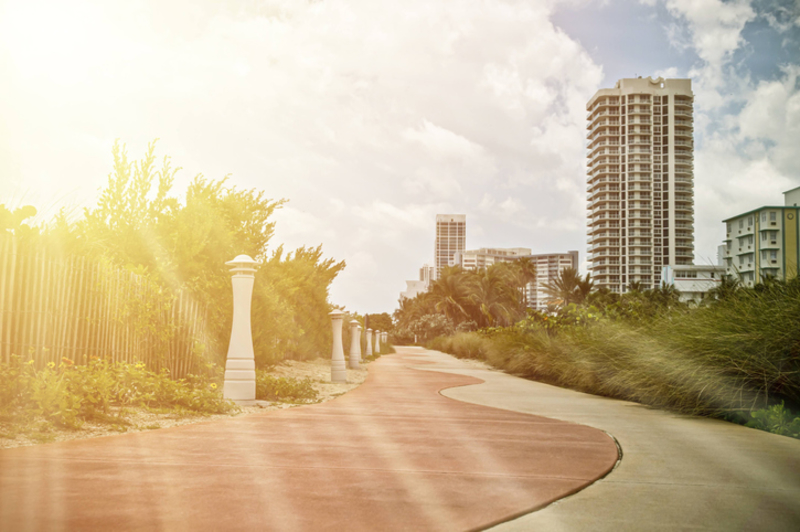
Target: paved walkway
point(676, 472)
point(394, 454)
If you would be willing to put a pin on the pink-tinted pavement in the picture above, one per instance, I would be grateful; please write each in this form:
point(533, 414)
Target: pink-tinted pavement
point(393, 454)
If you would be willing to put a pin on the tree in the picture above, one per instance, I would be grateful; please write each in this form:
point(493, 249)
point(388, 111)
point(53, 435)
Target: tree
point(494, 297)
point(139, 224)
point(450, 294)
point(380, 322)
point(568, 287)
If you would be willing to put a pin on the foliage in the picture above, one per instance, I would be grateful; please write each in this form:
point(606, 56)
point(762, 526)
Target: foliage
point(286, 389)
point(466, 300)
point(13, 222)
point(139, 224)
point(776, 419)
point(568, 287)
point(69, 394)
point(738, 352)
point(379, 322)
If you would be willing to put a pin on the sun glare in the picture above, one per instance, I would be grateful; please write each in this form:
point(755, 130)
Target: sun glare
point(61, 43)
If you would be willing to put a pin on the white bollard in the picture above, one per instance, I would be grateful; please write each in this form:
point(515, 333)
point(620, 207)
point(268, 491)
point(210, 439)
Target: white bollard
point(377, 341)
point(355, 344)
point(360, 358)
point(369, 342)
point(240, 366)
point(338, 368)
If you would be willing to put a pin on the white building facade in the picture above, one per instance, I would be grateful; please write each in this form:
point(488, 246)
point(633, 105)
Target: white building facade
point(692, 281)
point(640, 188)
point(548, 267)
point(477, 259)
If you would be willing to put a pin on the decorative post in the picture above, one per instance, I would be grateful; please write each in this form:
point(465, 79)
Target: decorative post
point(369, 342)
point(355, 344)
point(338, 368)
point(240, 366)
point(377, 341)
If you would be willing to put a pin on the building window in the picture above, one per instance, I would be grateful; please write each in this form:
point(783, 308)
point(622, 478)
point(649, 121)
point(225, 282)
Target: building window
point(763, 216)
point(773, 254)
point(764, 235)
point(741, 223)
point(749, 221)
point(773, 216)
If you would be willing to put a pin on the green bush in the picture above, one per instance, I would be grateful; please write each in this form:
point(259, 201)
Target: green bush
point(69, 394)
point(740, 353)
point(776, 419)
point(286, 389)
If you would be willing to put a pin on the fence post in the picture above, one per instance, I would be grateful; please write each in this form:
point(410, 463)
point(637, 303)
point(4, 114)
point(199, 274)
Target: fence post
point(338, 368)
point(240, 366)
point(377, 341)
point(369, 342)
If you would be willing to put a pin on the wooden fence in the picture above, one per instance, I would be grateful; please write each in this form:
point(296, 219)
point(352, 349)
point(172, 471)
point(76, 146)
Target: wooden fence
point(71, 307)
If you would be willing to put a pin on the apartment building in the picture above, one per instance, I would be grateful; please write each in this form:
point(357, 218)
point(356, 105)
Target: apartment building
point(484, 257)
point(427, 273)
point(764, 242)
point(640, 190)
point(548, 266)
point(692, 281)
point(451, 238)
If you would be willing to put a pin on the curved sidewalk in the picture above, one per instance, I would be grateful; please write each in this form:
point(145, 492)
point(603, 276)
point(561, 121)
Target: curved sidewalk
point(394, 454)
point(676, 472)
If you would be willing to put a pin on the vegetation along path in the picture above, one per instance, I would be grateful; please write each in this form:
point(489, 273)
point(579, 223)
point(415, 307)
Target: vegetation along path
point(393, 454)
point(677, 472)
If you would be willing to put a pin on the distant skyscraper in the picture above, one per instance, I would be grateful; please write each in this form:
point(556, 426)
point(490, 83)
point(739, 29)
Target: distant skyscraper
point(640, 181)
point(451, 237)
point(427, 273)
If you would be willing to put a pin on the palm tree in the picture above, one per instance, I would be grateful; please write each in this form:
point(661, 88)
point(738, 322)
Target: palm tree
point(493, 299)
point(585, 287)
point(635, 286)
point(526, 270)
point(449, 294)
point(564, 289)
point(727, 287)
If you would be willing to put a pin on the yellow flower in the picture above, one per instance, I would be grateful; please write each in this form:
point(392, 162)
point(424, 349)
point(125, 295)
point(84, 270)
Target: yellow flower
point(51, 365)
point(213, 385)
point(30, 362)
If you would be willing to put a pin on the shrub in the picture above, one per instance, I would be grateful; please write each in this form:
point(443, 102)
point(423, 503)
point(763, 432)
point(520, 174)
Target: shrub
point(776, 419)
point(274, 388)
point(69, 394)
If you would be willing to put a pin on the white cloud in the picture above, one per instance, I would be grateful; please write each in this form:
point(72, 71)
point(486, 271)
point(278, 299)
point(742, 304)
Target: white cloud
point(715, 31)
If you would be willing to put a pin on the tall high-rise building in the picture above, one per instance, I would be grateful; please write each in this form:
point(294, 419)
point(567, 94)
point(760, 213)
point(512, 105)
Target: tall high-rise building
point(451, 237)
point(640, 181)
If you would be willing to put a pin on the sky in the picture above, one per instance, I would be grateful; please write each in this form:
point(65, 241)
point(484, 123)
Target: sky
point(373, 116)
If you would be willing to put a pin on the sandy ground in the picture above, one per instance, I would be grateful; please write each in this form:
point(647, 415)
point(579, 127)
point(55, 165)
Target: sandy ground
point(138, 419)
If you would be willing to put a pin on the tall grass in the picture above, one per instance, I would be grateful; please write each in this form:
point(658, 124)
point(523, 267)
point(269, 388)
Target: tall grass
point(738, 354)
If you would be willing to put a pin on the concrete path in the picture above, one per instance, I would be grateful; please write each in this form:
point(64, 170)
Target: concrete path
point(394, 454)
point(676, 472)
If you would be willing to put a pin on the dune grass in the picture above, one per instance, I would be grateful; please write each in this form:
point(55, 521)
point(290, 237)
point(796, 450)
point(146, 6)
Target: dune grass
point(726, 359)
